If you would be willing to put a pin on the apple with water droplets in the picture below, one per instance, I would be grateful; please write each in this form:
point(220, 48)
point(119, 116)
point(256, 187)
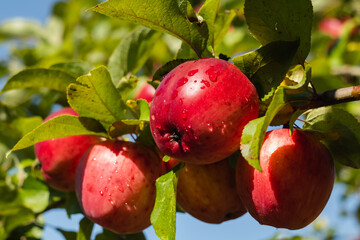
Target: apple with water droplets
point(295, 184)
point(115, 185)
point(59, 157)
point(208, 192)
point(199, 110)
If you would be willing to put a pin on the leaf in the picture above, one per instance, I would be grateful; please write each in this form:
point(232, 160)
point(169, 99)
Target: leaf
point(39, 77)
point(222, 26)
point(25, 124)
point(344, 148)
point(132, 53)
point(208, 11)
point(68, 235)
point(75, 69)
point(62, 126)
point(103, 101)
point(267, 66)
point(281, 20)
point(163, 216)
point(167, 16)
point(34, 194)
point(85, 229)
point(72, 205)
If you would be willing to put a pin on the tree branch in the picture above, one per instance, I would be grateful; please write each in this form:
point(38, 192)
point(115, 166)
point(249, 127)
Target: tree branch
point(335, 96)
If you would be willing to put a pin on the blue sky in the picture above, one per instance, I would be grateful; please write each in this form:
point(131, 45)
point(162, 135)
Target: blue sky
point(188, 228)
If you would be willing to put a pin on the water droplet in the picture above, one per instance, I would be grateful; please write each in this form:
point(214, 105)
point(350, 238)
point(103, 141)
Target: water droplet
point(223, 128)
point(167, 78)
point(202, 87)
point(195, 81)
point(182, 81)
point(106, 189)
point(212, 74)
point(101, 177)
point(167, 107)
point(193, 72)
point(174, 94)
point(185, 147)
point(101, 193)
point(180, 101)
point(206, 83)
point(210, 127)
point(94, 159)
point(120, 188)
point(184, 114)
point(153, 117)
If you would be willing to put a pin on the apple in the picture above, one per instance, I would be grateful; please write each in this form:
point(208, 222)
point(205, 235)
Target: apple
point(59, 157)
point(146, 91)
point(200, 109)
point(331, 26)
point(208, 192)
point(295, 184)
point(115, 185)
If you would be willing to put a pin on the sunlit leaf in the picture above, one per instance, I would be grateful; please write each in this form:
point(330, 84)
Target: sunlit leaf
point(35, 194)
point(163, 216)
point(39, 77)
point(76, 69)
point(167, 16)
point(62, 126)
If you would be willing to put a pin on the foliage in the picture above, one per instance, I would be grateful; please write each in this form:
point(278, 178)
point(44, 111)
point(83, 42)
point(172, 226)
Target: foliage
point(93, 56)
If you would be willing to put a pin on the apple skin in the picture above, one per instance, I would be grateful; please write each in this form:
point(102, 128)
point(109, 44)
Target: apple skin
point(200, 109)
point(146, 92)
point(115, 185)
point(59, 157)
point(295, 184)
point(208, 192)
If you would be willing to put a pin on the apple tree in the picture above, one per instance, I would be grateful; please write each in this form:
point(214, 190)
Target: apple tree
point(173, 103)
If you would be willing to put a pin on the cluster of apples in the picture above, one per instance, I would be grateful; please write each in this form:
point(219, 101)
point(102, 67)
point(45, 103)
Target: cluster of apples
point(197, 115)
point(114, 180)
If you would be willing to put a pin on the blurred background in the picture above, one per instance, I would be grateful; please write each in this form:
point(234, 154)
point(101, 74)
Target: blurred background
point(44, 32)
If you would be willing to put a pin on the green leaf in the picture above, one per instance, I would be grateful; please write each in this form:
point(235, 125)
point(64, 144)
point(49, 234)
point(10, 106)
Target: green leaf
point(62, 126)
point(345, 147)
point(34, 194)
point(208, 11)
point(222, 26)
point(163, 216)
point(85, 229)
point(281, 20)
point(72, 205)
point(22, 218)
point(132, 53)
point(167, 16)
point(67, 234)
point(25, 124)
point(103, 101)
point(75, 69)
point(39, 77)
point(267, 66)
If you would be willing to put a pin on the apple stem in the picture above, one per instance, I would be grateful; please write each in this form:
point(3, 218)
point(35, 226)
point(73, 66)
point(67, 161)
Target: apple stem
point(335, 96)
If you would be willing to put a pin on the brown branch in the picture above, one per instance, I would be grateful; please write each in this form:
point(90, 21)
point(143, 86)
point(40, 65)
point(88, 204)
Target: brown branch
point(336, 96)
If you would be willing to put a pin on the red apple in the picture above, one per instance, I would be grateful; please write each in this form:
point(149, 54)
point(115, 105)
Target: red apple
point(59, 157)
point(295, 183)
point(146, 91)
point(208, 192)
point(331, 26)
point(200, 109)
point(115, 185)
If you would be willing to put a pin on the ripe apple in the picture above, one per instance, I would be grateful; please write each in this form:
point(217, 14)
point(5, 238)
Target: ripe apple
point(331, 26)
point(200, 109)
point(115, 185)
point(295, 183)
point(208, 192)
point(59, 157)
point(146, 91)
